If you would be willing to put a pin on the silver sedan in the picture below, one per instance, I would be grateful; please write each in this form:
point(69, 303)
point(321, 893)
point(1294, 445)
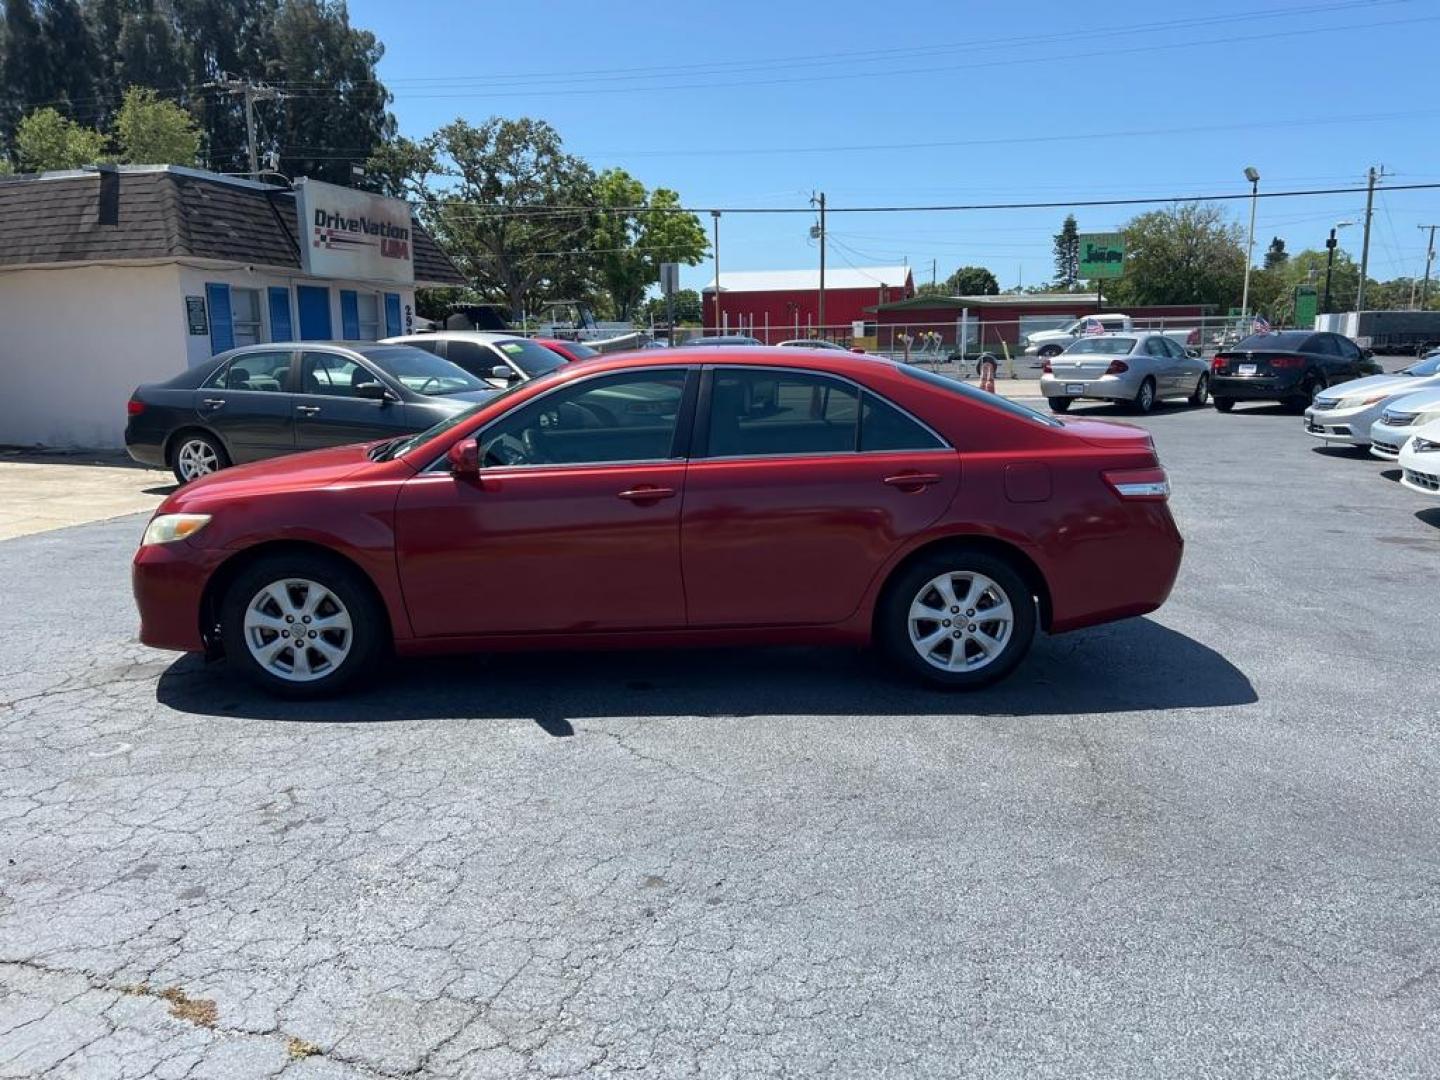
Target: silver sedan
point(1139, 369)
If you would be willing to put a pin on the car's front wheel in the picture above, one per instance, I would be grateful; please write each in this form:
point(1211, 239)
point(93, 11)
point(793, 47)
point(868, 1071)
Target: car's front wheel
point(959, 619)
point(1224, 404)
point(1202, 392)
point(302, 625)
point(197, 454)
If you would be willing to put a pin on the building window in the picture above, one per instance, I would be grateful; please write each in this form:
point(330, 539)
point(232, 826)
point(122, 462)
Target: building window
point(368, 307)
point(245, 316)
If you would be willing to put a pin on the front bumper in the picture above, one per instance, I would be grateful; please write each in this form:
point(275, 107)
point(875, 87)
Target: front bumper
point(1105, 388)
point(1350, 426)
point(1386, 442)
point(1421, 472)
point(168, 581)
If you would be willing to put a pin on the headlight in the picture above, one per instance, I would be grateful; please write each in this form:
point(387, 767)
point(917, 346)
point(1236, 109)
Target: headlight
point(1360, 402)
point(167, 528)
point(1423, 446)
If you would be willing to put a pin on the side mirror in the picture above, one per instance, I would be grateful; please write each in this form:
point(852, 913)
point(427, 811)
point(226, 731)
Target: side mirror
point(464, 458)
point(502, 371)
point(1194, 354)
point(373, 391)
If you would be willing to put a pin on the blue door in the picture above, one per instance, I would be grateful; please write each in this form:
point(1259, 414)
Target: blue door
point(281, 328)
point(393, 327)
point(314, 304)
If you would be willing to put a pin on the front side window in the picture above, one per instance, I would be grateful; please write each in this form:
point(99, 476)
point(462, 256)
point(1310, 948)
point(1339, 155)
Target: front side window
point(1321, 344)
point(618, 418)
point(245, 316)
point(765, 413)
point(1156, 347)
point(263, 371)
point(332, 375)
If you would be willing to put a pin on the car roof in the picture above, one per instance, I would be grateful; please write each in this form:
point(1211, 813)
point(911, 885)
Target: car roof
point(834, 361)
point(489, 336)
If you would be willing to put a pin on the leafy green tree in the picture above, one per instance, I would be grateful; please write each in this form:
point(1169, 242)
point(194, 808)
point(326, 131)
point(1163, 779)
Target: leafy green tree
point(24, 69)
point(688, 309)
point(154, 132)
point(628, 247)
point(506, 201)
point(1188, 254)
point(972, 281)
point(47, 140)
point(1067, 254)
point(1272, 291)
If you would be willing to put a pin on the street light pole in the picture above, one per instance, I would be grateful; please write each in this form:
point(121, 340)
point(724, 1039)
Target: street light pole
point(1330, 261)
point(1429, 258)
point(1253, 176)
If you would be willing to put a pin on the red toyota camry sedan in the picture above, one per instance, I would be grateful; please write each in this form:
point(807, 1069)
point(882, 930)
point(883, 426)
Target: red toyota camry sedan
point(673, 497)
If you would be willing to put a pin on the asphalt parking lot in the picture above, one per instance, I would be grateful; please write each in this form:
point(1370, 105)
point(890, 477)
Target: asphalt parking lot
point(1203, 843)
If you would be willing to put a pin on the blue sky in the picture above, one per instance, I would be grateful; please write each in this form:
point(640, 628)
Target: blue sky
point(759, 104)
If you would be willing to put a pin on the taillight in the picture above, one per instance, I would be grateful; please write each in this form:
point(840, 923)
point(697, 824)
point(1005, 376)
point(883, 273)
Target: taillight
point(1144, 485)
point(1046, 368)
point(1287, 361)
point(134, 407)
point(1218, 364)
point(1117, 367)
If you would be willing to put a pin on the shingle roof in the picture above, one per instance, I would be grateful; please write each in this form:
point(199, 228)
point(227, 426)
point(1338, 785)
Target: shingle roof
point(841, 277)
point(166, 213)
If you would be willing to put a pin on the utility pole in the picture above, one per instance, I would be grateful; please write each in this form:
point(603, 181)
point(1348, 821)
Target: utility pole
point(934, 264)
point(715, 217)
point(1374, 177)
point(820, 311)
point(251, 92)
point(1429, 258)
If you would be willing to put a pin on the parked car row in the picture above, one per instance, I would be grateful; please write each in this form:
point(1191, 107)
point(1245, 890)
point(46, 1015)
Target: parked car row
point(1397, 417)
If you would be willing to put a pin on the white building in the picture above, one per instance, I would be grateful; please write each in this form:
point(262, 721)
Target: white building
point(113, 277)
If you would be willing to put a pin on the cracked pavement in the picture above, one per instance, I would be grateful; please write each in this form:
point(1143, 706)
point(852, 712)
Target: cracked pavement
point(1199, 844)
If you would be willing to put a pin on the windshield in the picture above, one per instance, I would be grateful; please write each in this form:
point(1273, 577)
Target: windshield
point(404, 446)
point(531, 358)
point(1429, 366)
point(418, 370)
point(970, 393)
point(1109, 346)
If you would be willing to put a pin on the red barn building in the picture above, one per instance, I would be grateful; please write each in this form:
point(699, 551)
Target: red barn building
point(776, 305)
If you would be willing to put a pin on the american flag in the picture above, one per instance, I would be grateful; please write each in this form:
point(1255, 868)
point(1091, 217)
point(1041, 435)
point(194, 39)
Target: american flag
point(1261, 325)
point(1094, 326)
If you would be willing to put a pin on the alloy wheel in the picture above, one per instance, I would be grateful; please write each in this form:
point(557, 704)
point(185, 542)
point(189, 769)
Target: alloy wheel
point(197, 458)
point(298, 630)
point(960, 621)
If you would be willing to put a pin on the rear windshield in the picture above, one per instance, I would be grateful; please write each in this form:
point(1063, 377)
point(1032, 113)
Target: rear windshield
point(1110, 346)
point(1286, 339)
point(531, 358)
point(970, 393)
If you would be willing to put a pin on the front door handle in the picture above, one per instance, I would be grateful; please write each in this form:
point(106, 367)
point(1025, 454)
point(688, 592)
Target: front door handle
point(647, 494)
point(213, 403)
point(308, 410)
point(913, 481)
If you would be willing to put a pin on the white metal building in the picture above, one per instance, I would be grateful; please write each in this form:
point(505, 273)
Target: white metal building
point(112, 277)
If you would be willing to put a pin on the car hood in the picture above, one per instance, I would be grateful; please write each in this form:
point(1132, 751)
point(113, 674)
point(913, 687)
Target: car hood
point(1421, 401)
point(463, 400)
point(1372, 382)
point(313, 469)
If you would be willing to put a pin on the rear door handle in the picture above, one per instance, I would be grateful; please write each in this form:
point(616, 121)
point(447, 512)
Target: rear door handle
point(913, 481)
point(308, 410)
point(647, 494)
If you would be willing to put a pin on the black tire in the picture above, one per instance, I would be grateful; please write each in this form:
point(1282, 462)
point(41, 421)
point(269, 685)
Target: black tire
point(368, 640)
point(1306, 397)
point(1049, 352)
point(1202, 392)
point(911, 586)
point(1145, 397)
point(190, 447)
point(1060, 404)
point(1223, 404)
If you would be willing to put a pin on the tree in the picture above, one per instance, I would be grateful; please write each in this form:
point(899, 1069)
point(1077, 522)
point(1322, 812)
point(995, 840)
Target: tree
point(46, 140)
point(24, 72)
point(688, 309)
point(1275, 254)
point(507, 203)
point(1272, 291)
point(628, 247)
point(972, 281)
point(1067, 254)
point(154, 132)
point(1188, 254)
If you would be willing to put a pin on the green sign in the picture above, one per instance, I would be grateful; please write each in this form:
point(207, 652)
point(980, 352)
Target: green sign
point(1305, 305)
point(1102, 255)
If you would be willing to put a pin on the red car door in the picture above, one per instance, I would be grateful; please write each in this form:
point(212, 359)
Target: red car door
point(572, 524)
point(806, 485)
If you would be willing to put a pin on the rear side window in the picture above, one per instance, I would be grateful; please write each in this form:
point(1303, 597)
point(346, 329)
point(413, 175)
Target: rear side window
point(264, 371)
point(884, 427)
point(774, 413)
point(1321, 344)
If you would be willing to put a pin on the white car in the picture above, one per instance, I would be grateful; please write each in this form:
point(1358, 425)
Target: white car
point(1420, 461)
point(497, 358)
point(1346, 412)
point(1401, 419)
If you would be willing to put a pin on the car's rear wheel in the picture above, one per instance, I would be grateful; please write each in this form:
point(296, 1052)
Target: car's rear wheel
point(960, 619)
point(1223, 404)
point(1060, 404)
point(302, 625)
point(1306, 397)
point(1202, 392)
point(1145, 396)
point(197, 454)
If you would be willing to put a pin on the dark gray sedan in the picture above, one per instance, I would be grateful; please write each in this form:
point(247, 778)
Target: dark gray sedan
point(264, 400)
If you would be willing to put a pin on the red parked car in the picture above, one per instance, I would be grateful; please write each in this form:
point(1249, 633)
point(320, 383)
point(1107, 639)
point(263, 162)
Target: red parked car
point(683, 497)
point(570, 350)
